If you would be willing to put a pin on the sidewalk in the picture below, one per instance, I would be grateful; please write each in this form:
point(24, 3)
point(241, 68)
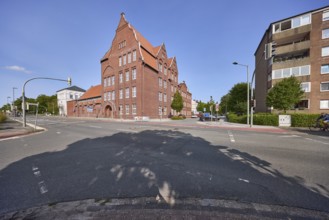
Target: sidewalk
point(12, 128)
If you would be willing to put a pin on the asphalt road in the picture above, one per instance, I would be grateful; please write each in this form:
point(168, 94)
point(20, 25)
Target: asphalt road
point(81, 159)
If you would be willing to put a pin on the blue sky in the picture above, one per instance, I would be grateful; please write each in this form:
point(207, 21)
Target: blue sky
point(61, 38)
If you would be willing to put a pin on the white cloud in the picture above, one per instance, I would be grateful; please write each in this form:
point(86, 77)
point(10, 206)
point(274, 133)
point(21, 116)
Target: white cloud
point(17, 68)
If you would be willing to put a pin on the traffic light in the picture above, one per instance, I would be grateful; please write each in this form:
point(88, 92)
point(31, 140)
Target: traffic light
point(252, 103)
point(69, 81)
point(270, 50)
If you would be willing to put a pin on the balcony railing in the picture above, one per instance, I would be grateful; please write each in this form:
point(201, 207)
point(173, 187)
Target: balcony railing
point(290, 48)
point(291, 62)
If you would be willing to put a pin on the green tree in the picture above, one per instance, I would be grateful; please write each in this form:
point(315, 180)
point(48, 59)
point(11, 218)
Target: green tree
point(224, 108)
point(200, 107)
point(177, 103)
point(285, 94)
point(238, 98)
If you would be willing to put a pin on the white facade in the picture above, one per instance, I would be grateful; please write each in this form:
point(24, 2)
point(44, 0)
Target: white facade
point(194, 104)
point(66, 95)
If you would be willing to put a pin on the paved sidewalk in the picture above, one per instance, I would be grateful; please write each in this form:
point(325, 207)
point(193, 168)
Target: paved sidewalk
point(153, 208)
point(12, 128)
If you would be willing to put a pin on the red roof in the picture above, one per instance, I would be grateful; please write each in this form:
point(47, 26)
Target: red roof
point(92, 92)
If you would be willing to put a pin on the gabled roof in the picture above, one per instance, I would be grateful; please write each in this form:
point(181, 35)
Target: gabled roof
point(92, 92)
point(73, 88)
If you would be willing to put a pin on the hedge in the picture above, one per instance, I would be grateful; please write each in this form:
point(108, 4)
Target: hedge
point(3, 117)
point(297, 120)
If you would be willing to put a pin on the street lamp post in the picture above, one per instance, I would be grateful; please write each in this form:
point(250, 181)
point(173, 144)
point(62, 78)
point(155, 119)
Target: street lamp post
point(13, 105)
point(23, 93)
point(235, 63)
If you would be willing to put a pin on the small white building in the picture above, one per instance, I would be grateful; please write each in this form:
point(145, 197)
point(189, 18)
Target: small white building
point(67, 94)
point(194, 104)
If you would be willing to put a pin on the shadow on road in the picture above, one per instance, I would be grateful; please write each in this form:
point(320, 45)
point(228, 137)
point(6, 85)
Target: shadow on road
point(166, 165)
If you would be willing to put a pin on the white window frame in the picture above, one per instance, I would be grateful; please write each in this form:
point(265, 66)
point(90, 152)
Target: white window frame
point(121, 94)
point(324, 104)
point(160, 82)
point(120, 109)
point(308, 86)
point(120, 61)
point(109, 96)
point(113, 80)
point(327, 67)
point(325, 33)
point(134, 109)
point(127, 75)
point(324, 90)
point(165, 97)
point(134, 55)
point(134, 92)
point(325, 16)
point(127, 93)
point(124, 59)
point(134, 74)
point(325, 51)
point(160, 96)
point(127, 109)
point(278, 74)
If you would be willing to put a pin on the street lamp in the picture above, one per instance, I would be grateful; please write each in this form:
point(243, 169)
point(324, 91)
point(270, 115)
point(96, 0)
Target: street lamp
point(68, 80)
point(235, 63)
point(13, 105)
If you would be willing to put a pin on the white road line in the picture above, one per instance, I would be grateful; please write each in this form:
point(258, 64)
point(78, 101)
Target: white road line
point(93, 126)
point(231, 136)
point(317, 141)
point(127, 130)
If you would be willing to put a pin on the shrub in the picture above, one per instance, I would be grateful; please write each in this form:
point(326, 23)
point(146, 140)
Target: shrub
point(303, 120)
point(178, 117)
point(266, 119)
point(3, 117)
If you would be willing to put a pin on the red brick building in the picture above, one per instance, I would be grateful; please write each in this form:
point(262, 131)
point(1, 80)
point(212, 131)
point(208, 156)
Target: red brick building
point(88, 105)
point(138, 79)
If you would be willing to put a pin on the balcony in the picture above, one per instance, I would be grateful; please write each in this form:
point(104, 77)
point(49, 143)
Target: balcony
point(291, 62)
point(293, 47)
point(291, 33)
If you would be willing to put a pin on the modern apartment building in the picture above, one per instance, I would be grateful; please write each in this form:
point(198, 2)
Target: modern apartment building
point(138, 79)
point(296, 46)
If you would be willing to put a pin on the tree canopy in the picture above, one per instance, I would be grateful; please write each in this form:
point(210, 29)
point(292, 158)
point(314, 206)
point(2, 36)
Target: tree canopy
point(284, 94)
point(235, 100)
point(177, 103)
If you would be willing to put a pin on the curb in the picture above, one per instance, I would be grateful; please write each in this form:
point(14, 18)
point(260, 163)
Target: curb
point(157, 208)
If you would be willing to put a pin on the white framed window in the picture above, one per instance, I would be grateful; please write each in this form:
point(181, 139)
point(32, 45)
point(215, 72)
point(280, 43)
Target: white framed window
point(325, 69)
point(127, 75)
point(325, 16)
point(120, 61)
point(324, 104)
point(113, 80)
point(160, 96)
point(134, 73)
point(120, 94)
point(120, 78)
point(325, 51)
point(325, 33)
point(133, 109)
point(165, 111)
point(129, 57)
point(127, 92)
point(294, 71)
point(105, 97)
point(124, 59)
point(164, 84)
point(160, 67)
point(134, 91)
point(160, 110)
point(105, 82)
point(306, 86)
point(160, 82)
point(165, 70)
point(113, 95)
point(134, 55)
point(165, 97)
point(291, 23)
point(109, 96)
point(324, 86)
point(127, 110)
point(109, 81)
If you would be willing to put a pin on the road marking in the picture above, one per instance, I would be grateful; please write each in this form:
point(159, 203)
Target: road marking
point(127, 130)
point(244, 180)
point(93, 126)
point(231, 136)
point(287, 136)
point(58, 132)
point(43, 187)
point(317, 141)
